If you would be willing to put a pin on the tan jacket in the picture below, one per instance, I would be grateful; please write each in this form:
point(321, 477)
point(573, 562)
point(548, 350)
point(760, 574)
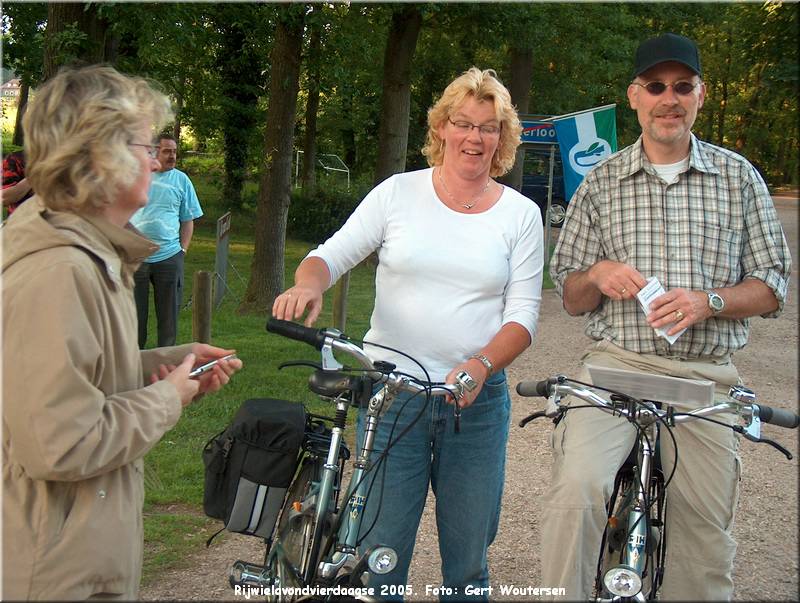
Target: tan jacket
point(76, 417)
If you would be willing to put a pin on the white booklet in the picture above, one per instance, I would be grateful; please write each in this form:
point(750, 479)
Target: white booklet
point(658, 388)
point(647, 294)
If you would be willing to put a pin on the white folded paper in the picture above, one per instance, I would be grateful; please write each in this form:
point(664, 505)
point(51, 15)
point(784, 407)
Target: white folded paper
point(646, 295)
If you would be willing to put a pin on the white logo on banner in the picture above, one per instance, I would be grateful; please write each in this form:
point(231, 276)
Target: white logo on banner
point(589, 149)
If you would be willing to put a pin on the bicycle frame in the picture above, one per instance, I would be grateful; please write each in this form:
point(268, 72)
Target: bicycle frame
point(328, 535)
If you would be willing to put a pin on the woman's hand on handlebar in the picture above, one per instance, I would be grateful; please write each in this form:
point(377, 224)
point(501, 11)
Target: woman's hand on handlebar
point(292, 303)
point(311, 279)
point(478, 376)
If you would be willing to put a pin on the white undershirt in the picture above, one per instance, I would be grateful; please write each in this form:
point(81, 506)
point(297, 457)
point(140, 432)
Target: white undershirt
point(669, 172)
point(446, 281)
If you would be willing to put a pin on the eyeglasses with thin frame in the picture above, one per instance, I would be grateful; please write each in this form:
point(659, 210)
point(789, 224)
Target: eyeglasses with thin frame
point(465, 127)
point(681, 88)
point(152, 149)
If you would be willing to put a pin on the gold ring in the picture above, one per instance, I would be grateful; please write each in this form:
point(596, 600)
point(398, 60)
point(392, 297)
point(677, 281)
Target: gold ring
point(623, 291)
point(679, 315)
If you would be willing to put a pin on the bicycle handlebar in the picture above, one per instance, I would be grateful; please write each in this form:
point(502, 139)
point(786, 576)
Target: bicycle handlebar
point(317, 338)
point(313, 337)
point(532, 389)
point(778, 416)
point(774, 416)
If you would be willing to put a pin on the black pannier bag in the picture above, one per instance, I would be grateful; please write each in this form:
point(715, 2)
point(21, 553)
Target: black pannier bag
point(249, 465)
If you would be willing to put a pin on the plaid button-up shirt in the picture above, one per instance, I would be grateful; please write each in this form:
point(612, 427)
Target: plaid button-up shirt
point(713, 228)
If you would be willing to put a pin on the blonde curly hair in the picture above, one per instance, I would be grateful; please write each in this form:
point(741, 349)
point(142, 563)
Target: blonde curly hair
point(480, 85)
point(77, 134)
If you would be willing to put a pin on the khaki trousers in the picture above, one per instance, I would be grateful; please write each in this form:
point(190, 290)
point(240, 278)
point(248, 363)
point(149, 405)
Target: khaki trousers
point(589, 446)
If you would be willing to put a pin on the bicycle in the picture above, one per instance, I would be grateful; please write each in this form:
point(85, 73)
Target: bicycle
point(631, 562)
point(313, 554)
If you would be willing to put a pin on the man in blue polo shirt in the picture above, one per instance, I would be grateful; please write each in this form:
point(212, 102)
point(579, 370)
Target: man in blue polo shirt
point(167, 220)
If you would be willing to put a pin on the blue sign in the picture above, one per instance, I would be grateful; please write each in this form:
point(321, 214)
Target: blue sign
point(541, 132)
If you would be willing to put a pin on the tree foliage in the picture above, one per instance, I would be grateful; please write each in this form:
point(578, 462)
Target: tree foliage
point(364, 89)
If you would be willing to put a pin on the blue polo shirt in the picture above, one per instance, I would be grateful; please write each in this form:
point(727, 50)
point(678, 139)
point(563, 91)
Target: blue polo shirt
point(171, 200)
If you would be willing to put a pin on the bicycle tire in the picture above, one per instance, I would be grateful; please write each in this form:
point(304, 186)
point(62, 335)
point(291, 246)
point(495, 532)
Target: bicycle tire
point(294, 539)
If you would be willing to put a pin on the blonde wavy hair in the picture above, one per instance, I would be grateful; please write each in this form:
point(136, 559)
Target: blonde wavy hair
point(77, 134)
point(480, 85)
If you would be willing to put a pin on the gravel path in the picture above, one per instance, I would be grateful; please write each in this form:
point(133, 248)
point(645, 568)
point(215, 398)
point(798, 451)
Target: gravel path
point(767, 517)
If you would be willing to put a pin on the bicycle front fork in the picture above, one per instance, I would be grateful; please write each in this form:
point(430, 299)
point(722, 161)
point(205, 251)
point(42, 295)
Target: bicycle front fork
point(625, 579)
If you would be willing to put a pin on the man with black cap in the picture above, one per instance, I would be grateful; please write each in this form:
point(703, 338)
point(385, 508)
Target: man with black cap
point(699, 218)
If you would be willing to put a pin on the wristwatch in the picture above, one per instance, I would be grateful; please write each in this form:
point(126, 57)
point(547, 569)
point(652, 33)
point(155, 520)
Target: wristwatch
point(715, 302)
point(485, 362)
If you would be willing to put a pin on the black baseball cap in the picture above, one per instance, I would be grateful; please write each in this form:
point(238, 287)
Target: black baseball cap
point(667, 47)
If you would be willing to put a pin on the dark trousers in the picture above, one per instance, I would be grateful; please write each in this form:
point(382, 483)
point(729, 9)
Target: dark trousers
point(167, 279)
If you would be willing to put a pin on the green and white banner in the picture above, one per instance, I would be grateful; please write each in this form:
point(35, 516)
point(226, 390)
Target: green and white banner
point(585, 138)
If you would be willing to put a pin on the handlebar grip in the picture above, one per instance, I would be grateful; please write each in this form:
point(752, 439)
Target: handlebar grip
point(778, 416)
point(292, 330)
point(530, 389)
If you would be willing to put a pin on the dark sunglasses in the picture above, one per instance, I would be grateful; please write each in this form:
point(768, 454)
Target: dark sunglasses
point(682, 88)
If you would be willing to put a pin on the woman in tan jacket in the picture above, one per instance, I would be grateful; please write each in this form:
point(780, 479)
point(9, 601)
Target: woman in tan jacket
point(81, 403)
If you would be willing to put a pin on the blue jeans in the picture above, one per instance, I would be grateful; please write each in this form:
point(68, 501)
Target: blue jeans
point(466, 471)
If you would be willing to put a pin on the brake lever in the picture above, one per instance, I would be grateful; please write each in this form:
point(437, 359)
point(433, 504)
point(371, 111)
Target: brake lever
point(544, 413)
point(759, 440)
point(292, 363)
point(537, 415)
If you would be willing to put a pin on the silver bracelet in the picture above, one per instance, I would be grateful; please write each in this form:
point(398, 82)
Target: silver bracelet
point(484, 361)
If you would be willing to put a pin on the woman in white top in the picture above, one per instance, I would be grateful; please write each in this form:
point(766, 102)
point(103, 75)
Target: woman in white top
point(458, 287)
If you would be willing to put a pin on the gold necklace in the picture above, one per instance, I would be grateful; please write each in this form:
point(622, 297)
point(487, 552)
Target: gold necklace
point(456, 201)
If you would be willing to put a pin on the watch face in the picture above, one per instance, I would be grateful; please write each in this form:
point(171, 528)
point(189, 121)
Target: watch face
point(716, 302)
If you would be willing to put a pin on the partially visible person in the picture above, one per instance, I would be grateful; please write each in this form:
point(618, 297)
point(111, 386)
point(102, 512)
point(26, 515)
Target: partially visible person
point(16, 187)
point(81, 403)
point(700, 219)
point(168, 221)
point(458, 287)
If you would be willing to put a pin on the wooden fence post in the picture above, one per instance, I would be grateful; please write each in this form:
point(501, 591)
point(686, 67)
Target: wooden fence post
point(201, 307)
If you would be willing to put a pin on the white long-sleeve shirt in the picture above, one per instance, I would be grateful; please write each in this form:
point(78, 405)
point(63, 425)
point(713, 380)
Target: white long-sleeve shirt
point(446, 282)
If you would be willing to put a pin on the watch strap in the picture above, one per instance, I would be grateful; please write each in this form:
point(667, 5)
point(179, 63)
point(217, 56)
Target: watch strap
point(484, 361)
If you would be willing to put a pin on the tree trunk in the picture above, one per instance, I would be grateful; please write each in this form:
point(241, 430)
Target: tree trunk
point(723, 103)
point(348, 132)
point(239, 69)
point(266, 277)
point(396, 97)
point(312, 106)
point(746, 118)
point(521, 70)
point(176, 126)
point(22, 105)
point(99, 45)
